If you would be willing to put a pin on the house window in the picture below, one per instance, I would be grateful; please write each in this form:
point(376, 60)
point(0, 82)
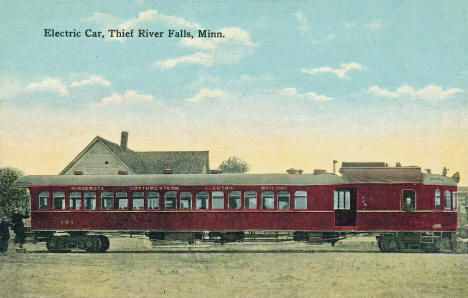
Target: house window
point(234, 198)
point(341, 200)
point(153, 200)
point(437, 198)
point(408, 200)
point(217, 200)
point(268, 199)
point(44, 200)
point(185, 200)
point(201, 200)
point(122, 200)
point(138, 200)
point(250, 200)
point(283, 200)
point(107, 200)
point(300, 199)
point(448, 199)
point(89, 200)
point(170, 199)
point(455, 201)
point(59, 200)
point(75, 200)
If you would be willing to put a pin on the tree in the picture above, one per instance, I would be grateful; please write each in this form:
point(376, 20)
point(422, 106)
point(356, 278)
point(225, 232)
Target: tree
point(234, 165)
point(11, 197)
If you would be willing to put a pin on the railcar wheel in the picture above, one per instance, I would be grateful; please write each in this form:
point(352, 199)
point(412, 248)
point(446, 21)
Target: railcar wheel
point(57, 244)
point(93, 244)
point(105, 243)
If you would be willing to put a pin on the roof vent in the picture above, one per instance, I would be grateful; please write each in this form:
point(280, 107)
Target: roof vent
point(291, 171)
point(123, 172)
point(318, 171)
point(168, 171)
point(78, 172)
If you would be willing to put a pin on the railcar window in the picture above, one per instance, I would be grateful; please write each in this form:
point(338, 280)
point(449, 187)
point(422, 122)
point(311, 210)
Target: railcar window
point(268, 199)
point(455, 200)
point(283, 200)
point(185, 200)
point(44, 200)
point(234, 199)
point(89, 200)
point(153, 200)
point(170, 199)
point(201, 200)
point(59, 199)
point(122, 200)
point(217, 200)
point(250, 200)
point(300, 199)
point(107, 200)
point(437, 198)
point(408, 200)
point(448, 199)
point(341, 200)
point(138, 200)
point(75, 200)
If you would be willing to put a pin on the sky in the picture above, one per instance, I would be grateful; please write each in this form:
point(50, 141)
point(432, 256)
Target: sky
point(288, 84)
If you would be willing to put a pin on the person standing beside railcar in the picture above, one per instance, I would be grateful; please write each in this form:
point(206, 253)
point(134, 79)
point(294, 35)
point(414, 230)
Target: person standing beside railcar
point(4, 235)
point(18, 227)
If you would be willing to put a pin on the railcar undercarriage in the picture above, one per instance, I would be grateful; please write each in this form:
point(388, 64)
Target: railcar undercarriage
point(387, 242)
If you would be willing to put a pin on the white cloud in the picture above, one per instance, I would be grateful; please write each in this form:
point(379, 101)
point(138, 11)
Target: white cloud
point(303, 21)
point(196, 58)
point(430, 92)
point(207, 93)
point(49, 84)
point(292, 92)
point(235, 45)
point(130, 96)
point(339, 72)
point(373, 24)
point(148, 16)
point(326, 39)
point(93, 80)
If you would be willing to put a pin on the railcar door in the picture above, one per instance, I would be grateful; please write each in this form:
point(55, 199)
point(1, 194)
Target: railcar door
point(344, 204)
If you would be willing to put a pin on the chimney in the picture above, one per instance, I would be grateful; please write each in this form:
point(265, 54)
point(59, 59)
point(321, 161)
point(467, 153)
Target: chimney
point(124, 140)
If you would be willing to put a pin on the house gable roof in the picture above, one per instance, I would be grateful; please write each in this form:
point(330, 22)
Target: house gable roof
point(152, 162)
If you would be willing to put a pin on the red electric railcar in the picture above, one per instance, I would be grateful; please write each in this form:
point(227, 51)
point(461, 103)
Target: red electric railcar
point(405, 207)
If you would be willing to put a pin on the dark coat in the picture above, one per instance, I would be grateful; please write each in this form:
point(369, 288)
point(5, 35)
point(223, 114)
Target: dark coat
point(4, 230)
point(17, 222)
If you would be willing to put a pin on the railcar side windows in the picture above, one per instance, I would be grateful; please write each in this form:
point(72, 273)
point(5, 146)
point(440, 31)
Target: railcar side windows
point(217, 200)
point(408, 200)
point(234, 200)
point(122, 200)
point(59, 199)
point(107, 200)
point(44, 200)
point(170, 199)
point(90, 200)
point(250, 200)
point(153, 200)
point(201, 200)
point(437, 198)
point(341, 200)
point(138, 200)
point(448, 199)
point(455, 200)
point(283, 200)
point(185, 200)
point(300, 199)
point(75, 200)
point(268, 199)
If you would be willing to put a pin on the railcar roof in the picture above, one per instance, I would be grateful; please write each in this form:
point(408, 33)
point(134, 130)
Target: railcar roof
point(435, 179)
point(180, 179)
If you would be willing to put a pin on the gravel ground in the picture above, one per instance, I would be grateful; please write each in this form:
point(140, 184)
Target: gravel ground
point(134, 268)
